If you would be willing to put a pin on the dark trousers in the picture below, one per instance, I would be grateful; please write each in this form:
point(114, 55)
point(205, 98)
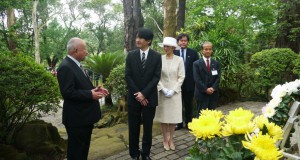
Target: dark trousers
point(79, 139)
point(209, 103)
point(187, 103)
point(136, 116)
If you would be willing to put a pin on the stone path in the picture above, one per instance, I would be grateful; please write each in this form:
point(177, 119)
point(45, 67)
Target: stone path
point(183, 139)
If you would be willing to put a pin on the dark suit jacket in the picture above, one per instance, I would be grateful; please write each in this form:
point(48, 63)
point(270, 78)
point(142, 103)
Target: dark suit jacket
point(204, 79)
point(139, 81)
point(79, 109)
point(191, 57)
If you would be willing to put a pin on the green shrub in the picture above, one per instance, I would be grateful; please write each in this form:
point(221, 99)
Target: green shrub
point(296, 69)
point(116, 82)
point(244, 82)
point(27, 91)
point(271, 67)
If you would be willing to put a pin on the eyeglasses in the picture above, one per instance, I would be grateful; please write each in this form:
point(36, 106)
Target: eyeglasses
point(166, 46)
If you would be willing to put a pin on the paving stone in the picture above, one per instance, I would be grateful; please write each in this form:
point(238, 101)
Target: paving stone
point(161, 155)
point(182, 152)
point(173, 156)
point(157, 150)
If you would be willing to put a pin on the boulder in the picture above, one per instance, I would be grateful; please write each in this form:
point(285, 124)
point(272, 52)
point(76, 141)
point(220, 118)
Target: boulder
point(9, 152)
point(40, 138)
point(109, 141)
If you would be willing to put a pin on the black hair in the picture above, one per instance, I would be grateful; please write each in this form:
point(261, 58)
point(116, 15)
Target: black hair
point(181, 35)
point(146, 34)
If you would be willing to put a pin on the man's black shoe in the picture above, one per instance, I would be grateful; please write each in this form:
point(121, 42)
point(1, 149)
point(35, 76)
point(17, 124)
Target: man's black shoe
point(178, 126)
point(146, 158)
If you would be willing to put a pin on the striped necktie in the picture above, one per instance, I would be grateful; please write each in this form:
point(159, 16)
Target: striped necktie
point(143, 60)
point(81, 67)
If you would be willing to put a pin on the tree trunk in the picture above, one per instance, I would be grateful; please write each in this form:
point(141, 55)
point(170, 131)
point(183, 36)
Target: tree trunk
point(181, 15)
point(170, 18)
point(11, 21)
point(36, 32)
point(288, 22)
point(133, 20)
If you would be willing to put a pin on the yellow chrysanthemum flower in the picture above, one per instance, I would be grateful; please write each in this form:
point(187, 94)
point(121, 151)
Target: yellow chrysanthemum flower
point(205, 127)
point(212, 112)
point(275, 131)
point(263, 146)
point(238, 121)
point(260, 121)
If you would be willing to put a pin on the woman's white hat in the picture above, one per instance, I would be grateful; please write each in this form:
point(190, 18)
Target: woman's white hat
point(169, 41)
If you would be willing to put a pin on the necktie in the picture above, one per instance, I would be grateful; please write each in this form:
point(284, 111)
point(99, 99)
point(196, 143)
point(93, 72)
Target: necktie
point(83, 70)
point(143, 60)
point(182, 54)
point(207, 65)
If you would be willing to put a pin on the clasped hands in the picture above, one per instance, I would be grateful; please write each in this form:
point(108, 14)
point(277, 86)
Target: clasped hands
point(140, 97)
point(209, 90)
point(99, 92)
point(168, 92)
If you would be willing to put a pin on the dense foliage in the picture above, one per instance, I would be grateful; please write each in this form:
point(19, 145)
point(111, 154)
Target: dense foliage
point(27, 91)
point(271, 67)
point(103, 63)
point(116, 82)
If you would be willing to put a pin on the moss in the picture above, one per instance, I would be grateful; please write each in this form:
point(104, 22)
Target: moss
point(9, 152)
point(40, 138)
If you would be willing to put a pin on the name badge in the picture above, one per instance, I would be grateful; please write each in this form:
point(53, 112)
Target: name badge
point(214, 72)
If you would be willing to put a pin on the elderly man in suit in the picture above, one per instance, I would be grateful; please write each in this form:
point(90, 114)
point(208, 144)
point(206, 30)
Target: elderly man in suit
point(81, 107)
point(189, 56)
point(142, 74)
point(207, 74)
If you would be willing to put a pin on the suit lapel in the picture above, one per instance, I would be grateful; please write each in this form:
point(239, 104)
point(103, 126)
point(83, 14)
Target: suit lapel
point(149, 59)
point(203, 65)
point(187, 58)
point(138, 61)
point(212, 65)
point(78, 70)
point(177, 52)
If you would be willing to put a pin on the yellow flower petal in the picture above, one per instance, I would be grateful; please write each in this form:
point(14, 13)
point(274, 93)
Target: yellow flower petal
point(263, 146)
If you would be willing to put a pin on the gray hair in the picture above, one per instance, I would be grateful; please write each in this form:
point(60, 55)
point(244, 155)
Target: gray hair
point(206, 42)
point(73, 42)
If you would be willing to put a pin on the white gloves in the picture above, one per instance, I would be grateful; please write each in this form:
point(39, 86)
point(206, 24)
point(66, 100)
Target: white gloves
point(165, 91)
point(168, 92)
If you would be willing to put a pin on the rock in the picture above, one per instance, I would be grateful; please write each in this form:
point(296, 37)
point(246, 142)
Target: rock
point(41, 138)
point(9, 152)
point(109, 141)
point(111, 119)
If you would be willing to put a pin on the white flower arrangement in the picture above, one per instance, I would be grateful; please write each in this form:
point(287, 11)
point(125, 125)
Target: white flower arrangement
point(277, 94)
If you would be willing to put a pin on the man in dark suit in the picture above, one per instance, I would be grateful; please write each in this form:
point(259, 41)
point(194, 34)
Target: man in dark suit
point(189, 57)
point(81, 107)
point(207, 74)
point(142, 74)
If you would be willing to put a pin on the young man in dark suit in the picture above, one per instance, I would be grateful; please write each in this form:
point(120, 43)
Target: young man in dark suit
point(142, 74)
point(207, 75)
point(189, 57)
point(81, 107)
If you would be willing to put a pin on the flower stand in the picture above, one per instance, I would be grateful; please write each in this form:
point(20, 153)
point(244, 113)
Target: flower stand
point(293, 121)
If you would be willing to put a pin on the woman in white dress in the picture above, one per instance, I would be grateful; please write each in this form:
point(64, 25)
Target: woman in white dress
point(169, 109)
